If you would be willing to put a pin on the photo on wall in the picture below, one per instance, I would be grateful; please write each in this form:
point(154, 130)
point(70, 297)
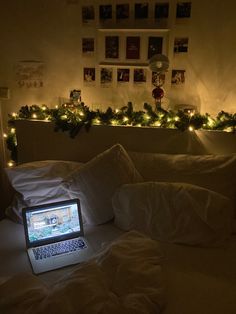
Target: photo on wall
point(181, 45)
point(178, 77)
point(106, 77)
point(158, 80)
point(141, 10)
point(88, 46)
point(140, 75)
point(122, 11)
point(105, 12)
point(183, 10)
point(112, 47)
point(132, 47)
point(88, 13)
point(123, 75)
point(154, 46)
point(161, 10)
point(89, 76)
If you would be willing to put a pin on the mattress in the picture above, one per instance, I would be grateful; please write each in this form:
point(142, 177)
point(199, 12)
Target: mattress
point(198, 280)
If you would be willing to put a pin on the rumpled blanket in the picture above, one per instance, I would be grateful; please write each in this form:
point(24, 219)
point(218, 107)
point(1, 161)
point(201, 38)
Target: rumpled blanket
point(124, 278)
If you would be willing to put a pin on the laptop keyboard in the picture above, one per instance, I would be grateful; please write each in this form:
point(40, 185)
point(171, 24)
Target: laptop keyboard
point(59, 248)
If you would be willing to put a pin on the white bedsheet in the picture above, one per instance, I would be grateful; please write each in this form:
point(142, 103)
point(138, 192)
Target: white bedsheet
point(199, 280)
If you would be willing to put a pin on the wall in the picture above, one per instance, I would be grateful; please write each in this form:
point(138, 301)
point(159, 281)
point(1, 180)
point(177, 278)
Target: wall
point(51, 32)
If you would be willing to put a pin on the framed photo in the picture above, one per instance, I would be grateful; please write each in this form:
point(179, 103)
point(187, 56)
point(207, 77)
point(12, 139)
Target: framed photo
point(183, 10)
point(106, 76)
point(154, 46)
point(178, 77)
point(181, 45)
point(88, 13)
point(105, 12)
point(158, 79)
point(140, 75)
point(141, 10)
point(88, 45)
point(122, 11)
point(161, 10)
point(112, 47)
point(132, 47)
point(123, 75)
point(89, 76)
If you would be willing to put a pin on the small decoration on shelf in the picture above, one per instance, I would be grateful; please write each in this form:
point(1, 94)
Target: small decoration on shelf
point(159, 64)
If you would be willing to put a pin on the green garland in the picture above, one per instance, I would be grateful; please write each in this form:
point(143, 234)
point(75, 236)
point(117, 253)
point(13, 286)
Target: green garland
point(72, 117)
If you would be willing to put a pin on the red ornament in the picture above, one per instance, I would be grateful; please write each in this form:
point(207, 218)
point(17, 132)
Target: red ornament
point(157, 93)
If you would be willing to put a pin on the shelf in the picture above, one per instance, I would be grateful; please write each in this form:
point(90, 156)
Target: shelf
point(133, 30)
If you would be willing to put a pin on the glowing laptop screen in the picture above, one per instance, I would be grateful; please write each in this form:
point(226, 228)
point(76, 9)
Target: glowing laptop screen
point(52, 222)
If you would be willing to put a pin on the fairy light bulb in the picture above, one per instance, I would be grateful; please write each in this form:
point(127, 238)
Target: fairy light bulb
point(10, 164)
point(34, 116)
point(191, 128)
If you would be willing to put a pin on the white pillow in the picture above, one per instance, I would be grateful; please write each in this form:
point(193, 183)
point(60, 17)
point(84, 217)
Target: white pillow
point(214, 172)
point(96, 181)
point(37, 183)
point(174, 212)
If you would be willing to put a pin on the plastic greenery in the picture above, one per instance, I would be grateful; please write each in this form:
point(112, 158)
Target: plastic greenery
point(72, 117)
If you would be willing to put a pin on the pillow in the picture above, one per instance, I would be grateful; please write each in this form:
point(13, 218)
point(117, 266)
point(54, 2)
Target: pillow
point(96, 181)
point(214, 172)
point(36, 183)
point(174, 212)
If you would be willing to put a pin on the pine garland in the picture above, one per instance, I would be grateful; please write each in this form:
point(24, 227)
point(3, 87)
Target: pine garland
point(72, 117)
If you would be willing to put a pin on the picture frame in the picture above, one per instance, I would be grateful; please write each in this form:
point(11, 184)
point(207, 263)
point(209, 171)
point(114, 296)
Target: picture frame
point(88, 46)
point(105, 12)
point(89, 75)
point(132, 47)
point(123, 75)
point(155, 44)
point(178, 77)
point(106, 76)
point(161, 10)
point(88, 13)
point(122, 11)
point(180, 45)
point(183, 10)
point(140, 75)
point(141, 10)
point(111, 47)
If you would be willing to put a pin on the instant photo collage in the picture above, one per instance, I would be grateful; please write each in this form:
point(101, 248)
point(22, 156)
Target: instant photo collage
point(130, 50)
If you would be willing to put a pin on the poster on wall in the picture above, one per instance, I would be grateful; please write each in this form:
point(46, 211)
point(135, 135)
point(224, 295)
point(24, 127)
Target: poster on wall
point(30, 74)
point(140, 76)
point(112, 47)
point(123, 75)
point(158, 80)
point(88, 14)
point(105, 12)
point(88, 46)
point(141, 10)
point(89, 76)
point(154, 46)
point(106, 77)
point(132, 47)
point(161, 10)
point(122, 11)
point(178, 77)
point(183, 10)
point(181, 45)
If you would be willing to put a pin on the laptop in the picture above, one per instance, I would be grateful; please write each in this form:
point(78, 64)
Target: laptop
point(54, 235)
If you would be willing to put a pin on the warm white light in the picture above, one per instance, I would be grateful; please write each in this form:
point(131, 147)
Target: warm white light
point(10, 163)
point(146, 116)
point(34, 116)
point(117, 110)
point(125, 119)
point(56, 106)
point(96, 121)
point(14, 114)
point(44, 108)
point(13, 130)
point(64, 117)
point(210, 122)
point(114, 122)
point(191, 128)
point(4, 135)
point(157, 123)
point(176, 118)
point(81, 113)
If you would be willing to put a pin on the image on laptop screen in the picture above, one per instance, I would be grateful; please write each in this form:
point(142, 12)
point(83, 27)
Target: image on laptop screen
point(52, 222)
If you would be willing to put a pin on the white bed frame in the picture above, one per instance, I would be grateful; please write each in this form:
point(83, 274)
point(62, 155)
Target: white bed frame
point(37, 140)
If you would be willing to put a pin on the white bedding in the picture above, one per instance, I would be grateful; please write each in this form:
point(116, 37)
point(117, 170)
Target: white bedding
point(199, 280)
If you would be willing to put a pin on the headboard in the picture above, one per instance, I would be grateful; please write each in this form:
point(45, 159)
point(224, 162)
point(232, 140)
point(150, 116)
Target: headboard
point(37, 140)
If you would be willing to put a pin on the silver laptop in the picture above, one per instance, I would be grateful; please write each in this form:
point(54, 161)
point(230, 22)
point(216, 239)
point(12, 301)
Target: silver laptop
point(54, 235)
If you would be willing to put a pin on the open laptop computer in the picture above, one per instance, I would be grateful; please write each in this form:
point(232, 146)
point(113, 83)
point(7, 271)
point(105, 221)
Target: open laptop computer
point(54, 235)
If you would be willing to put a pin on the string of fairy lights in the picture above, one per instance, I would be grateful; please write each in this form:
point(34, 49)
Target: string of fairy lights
point(71, 117)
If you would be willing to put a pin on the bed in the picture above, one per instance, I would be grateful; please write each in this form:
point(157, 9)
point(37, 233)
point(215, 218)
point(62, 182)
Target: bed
point(196, 276)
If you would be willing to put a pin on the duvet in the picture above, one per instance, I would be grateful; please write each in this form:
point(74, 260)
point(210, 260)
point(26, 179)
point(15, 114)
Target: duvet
point(125, 277)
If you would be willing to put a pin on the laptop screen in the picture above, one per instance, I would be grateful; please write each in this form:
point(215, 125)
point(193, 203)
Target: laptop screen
point(52, 222)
